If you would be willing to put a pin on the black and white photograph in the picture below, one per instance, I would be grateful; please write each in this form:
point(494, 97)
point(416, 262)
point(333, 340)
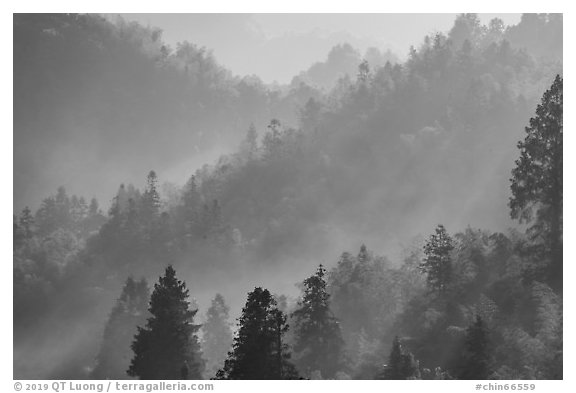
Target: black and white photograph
point(287, 196)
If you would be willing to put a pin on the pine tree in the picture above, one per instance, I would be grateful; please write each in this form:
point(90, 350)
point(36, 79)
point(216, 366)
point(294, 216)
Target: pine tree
point(259, 351)
point(27, 223)
point(168, 348)
point(476, 364)
point(62, 205)
point(46, 217)
point(400, 365)
point(78, 210)
point(217, 336)
point(129, 311)
point(537, 178)
point(150, 204)
point(437, 263)
point(319, 343)
point(94, 218)
point(354, 286)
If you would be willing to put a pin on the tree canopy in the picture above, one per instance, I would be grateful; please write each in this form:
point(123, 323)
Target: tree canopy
point(319, 345)
point(537, 179)
point(259, 351)
point(167, 347)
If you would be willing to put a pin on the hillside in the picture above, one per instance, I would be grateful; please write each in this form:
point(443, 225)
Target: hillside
point(289, 177)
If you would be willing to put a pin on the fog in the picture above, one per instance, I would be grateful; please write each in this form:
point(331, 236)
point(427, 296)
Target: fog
point(71, 131)
point(285, 44)
point(245, 150)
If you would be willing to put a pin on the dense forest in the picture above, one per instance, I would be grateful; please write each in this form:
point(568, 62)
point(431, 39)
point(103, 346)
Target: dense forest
point(376, 218)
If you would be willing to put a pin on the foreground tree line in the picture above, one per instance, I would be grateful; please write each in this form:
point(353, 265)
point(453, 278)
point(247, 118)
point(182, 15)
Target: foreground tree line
point(457, 339)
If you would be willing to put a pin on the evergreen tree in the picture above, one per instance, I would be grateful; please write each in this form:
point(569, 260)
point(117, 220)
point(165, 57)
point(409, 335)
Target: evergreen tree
point(400, 365)
point(358, 287)
point(437, 263)
point(94, 218)
point(150, 204)
point(26, 223)
point(537, 178)
point(168, 348)
point(476, 364)
point(217, 336)
point(258, 350)
point(78, 210)
point(115, 210)
point(46, 217)
point(62, 206)
point(129, 311)
point(319, 343)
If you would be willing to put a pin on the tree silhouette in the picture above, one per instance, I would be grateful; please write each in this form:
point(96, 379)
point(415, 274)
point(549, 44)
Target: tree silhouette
point(150, 204)
point(400, 365)
point(27, 223)
point(537, 178)
point(476, 364)
point(259, 351)
point(168, 348)
point(437, 263)
point(319, 343)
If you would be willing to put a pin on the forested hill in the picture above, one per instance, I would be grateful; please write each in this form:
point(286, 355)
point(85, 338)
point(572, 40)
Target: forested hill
point(111, 98)
point(391, 150)
point(96, 100)
point(379, 159)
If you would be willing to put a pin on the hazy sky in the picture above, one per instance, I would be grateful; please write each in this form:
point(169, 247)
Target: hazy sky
point(279, 46)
